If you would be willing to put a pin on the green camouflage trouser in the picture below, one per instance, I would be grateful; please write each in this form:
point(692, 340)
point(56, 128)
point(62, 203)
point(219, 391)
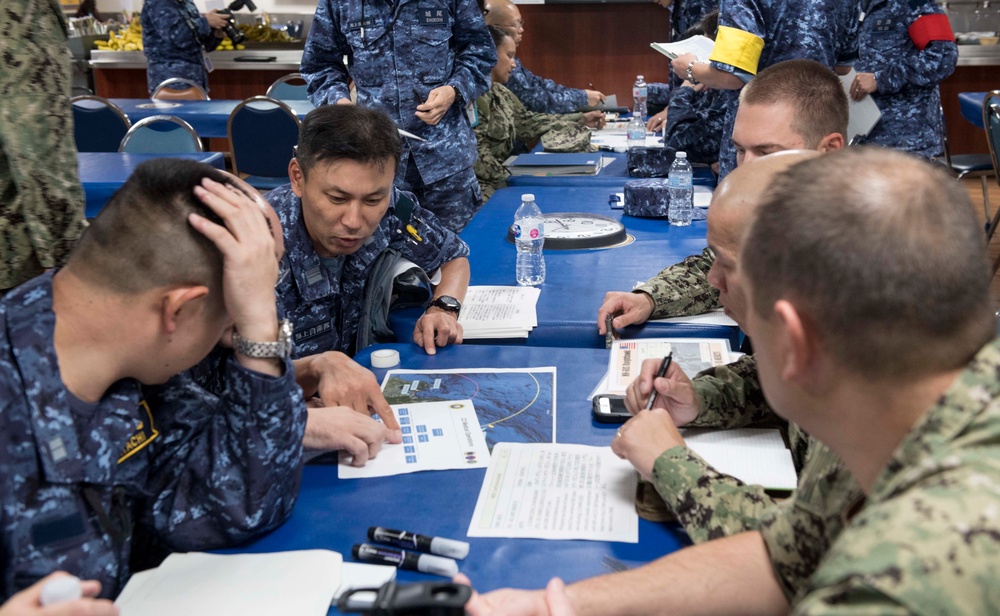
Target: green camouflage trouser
point(41, 200)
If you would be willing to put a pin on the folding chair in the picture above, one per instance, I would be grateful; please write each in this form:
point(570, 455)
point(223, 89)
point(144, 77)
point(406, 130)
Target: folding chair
point(262, 133)
point(991, 122)
point(189, 90)
point(291, 87)
point(969, 165)
point(161, 134)
point(98, 124)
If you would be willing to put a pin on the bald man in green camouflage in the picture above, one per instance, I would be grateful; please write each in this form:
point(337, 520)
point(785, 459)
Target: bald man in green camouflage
point(41, 200)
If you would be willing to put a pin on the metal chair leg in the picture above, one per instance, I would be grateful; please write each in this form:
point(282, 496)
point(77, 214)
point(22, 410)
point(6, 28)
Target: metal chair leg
point(986, 196)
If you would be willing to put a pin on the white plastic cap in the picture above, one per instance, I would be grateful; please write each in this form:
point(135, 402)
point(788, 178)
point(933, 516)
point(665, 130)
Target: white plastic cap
point(62, 588)
point(385, 358)
point(681, 154)
point(449, 547)
point(528, 197)
point(438, 565)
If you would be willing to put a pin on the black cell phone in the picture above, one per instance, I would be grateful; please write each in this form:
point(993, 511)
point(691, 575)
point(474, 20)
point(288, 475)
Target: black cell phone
point(610, 409)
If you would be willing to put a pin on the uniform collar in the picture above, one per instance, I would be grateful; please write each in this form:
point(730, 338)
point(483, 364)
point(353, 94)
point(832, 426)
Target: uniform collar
point(312, 280)
point(64, 458)
point(973, 393)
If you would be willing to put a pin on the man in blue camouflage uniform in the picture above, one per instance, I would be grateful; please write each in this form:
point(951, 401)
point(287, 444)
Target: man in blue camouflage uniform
point(906, 49)
point(756, 34)
point(104, 435)
point(174, 38)
point(340, 215)
point(660, 93)
point(848, 361)
point(422, 63)
point(536, 93)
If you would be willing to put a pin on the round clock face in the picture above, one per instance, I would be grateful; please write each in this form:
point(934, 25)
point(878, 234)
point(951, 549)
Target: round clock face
point(578, 230)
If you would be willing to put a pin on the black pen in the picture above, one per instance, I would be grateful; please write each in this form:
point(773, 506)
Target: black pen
point(659, 373)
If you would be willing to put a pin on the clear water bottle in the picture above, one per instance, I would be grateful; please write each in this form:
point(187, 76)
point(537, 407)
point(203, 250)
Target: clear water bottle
point(639, 95)
point(636, 130)
point(681, 185)
point(529, 237)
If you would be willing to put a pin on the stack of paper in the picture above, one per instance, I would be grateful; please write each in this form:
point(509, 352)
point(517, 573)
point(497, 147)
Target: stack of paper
point(691, 354)
point(499, 312)
point(753, 456)
point(302, 582)
point(700, 45)
point(541, 163)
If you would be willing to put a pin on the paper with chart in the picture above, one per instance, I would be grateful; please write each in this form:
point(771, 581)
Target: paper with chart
point(691, 354)
point(436, 436)
point(752, 455)
point(557, 491)
point(513, 404)
point(499, 312)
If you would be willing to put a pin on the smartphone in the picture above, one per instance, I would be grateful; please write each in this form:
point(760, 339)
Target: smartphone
point(610, 409)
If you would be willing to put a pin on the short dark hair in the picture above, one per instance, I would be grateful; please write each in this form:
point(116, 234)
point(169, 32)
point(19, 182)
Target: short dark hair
point(811, 89)
point(498, 34)
point(884, 253)
point(335, 132)
point(142, 238)
point(707, 26)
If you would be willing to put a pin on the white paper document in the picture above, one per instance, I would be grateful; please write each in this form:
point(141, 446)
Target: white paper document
point(198, 584)
point(700, 45)
point(714, 317)
point(864, 114)
point(363, 575)
point(437, 436)
point(691, 354)
point(557, 491)
point(754, 456)
point(499, 312)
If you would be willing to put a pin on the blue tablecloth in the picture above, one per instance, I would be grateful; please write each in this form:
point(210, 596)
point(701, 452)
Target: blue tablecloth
point(577, 280)
point(971, 104)
point(102, 173)
point(613, 174)
point(335, 514)
point(208, 118)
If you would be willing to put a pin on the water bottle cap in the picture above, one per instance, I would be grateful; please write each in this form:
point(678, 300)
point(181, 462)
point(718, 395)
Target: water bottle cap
point(638, 78)
point(681, 154)
point(527, 197)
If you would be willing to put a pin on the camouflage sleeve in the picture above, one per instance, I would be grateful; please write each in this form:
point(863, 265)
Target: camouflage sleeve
point(695, 122)
point(492, 143)
point(558, 133)
point(913, 67)
point(544, 95)
point(683, 289)
point(322, 64)
point(730, 396)
point(225, 468)
point(658, 93)
point(475, 53)
point(707, 503)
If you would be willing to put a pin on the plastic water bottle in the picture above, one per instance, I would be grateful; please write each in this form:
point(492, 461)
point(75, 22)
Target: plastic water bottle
point(529, 237)
point(636, 129)
point(681, 187)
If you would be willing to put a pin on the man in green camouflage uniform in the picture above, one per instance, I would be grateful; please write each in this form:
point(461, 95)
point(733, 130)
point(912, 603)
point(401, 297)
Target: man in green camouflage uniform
point(797, 104)
point(882, 345)
point(503, 120)
point(41, 201)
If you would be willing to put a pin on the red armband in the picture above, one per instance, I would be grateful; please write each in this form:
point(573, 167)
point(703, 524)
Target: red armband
point(927, 28)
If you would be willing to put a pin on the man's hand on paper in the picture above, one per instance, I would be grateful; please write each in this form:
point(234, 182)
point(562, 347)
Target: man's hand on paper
point(507, 601)
point(657, 121)
point(863, 85)
point(437, 328)
point(341, 428)
point(593, 119)
point(631, 308)
point(28, 602)
point(642, 439)
point(338, 380)
point(674, 392)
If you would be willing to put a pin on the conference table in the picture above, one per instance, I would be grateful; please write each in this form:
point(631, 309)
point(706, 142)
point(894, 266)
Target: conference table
point(577, 280)
point(335, 514)
point(102, 173)
point(209, 119)
point(614, 173)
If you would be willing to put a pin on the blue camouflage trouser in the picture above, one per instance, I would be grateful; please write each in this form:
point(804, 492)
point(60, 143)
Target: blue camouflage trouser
point(454, 199)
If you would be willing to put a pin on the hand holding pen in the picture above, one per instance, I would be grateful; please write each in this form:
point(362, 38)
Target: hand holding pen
point(674, 391)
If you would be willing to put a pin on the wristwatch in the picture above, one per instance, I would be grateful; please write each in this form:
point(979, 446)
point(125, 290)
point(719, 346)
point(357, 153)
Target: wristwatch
point(690, 75)
point(448, 304)
point(280, 349)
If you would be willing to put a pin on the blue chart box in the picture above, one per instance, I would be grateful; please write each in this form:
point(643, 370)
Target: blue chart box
point(421, 429)
point(406, 429)
point(409, 449)
point(404, 421)
point(407, 439)
point(411, 459)
point(438, 432)
point(423, 438)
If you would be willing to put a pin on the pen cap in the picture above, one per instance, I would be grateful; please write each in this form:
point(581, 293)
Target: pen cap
point(438, 565)
point(449, 547)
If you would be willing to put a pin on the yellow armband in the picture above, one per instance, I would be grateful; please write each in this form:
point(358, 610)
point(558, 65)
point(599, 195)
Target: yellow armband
point(737, 48)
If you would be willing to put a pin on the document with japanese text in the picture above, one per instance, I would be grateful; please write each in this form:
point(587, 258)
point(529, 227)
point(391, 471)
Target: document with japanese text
point(557, 491)
point(691, 354)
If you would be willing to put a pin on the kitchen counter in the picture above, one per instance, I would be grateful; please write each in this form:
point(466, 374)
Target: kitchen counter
point(284, 60)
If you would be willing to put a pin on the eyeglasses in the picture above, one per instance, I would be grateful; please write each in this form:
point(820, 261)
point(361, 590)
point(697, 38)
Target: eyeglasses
point(517, 25)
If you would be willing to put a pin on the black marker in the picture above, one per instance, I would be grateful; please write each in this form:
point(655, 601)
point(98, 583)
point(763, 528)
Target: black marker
point(435, 545)
point(379, 555)
point(661, 372)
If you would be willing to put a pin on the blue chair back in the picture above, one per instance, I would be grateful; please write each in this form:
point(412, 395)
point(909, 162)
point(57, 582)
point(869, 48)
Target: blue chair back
point(98, 124)
point(178, 88)
point(161, 134)
point(291, 87)
point(262, 133)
